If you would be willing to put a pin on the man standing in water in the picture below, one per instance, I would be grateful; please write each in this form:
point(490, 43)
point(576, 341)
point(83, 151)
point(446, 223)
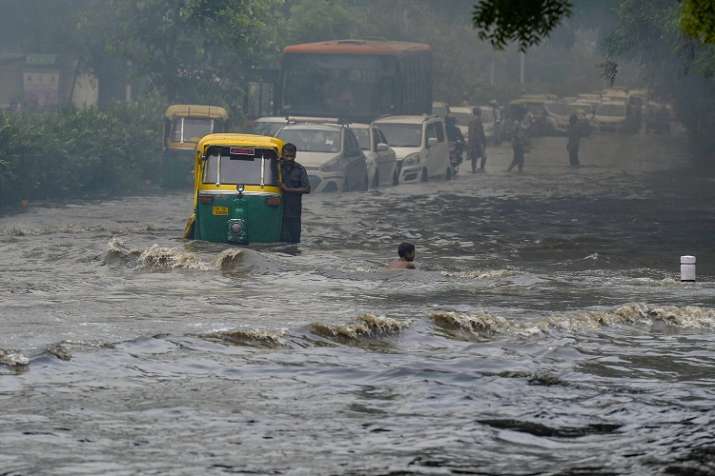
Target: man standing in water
point(406, 251)
point(477, 140)
point(518, 145)
point(574, 140)
point(294, 184)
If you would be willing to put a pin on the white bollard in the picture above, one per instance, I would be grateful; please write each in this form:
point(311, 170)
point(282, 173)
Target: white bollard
point(687, 268)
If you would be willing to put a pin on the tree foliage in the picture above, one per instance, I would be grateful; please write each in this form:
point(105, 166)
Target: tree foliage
point(697, 19)
point(193, 50)
point(525, 22)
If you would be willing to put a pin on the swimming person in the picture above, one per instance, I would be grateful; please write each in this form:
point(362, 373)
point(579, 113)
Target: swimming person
point(406, 252)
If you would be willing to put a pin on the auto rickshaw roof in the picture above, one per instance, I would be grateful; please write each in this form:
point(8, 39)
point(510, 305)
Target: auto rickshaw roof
point(195, 110)
point(241, 140)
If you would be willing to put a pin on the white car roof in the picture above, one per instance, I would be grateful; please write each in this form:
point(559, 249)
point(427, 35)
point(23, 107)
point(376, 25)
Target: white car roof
point(297, 119)
point(312, 127)
point(417, 119)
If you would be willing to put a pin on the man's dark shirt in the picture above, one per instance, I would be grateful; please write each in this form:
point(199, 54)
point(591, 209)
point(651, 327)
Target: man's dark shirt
point(294, 176)
point(475, 135)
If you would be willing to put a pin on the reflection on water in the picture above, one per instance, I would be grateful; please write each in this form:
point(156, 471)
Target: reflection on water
point(545, 330)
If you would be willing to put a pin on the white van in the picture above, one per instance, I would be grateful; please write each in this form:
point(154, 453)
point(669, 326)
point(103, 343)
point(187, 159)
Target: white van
point(420, 144)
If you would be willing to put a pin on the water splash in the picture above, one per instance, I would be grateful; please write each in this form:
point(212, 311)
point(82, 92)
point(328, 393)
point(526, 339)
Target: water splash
point(13, 359)
point(159, 258)
point(367, 326)
point(250, 337)
point(163, 259)
point(484, 325)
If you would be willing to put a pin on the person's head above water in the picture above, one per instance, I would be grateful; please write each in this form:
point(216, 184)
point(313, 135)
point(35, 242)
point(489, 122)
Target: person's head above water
point(406, 251)
point(289, 151)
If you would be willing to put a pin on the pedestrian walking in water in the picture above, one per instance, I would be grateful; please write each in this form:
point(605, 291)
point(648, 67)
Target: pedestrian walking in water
point(406, 252)
point(518, 145)
point(574, 140)
point(477, 141)
point(294, 184)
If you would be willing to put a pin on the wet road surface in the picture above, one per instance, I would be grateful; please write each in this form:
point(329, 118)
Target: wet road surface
point(545, 331)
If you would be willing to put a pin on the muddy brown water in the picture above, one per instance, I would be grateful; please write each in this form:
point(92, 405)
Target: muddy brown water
point(545, 331)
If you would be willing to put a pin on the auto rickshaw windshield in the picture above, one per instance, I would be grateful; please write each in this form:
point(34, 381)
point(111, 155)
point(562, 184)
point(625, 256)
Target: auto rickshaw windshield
point(224, 165)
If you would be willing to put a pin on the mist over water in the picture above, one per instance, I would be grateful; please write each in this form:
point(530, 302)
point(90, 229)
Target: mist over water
point(545, 331)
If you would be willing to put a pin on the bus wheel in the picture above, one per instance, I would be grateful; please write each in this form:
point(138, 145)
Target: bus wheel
point(424, 176)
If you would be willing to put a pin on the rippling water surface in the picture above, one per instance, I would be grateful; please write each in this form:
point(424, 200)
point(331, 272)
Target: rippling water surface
point(545, 331)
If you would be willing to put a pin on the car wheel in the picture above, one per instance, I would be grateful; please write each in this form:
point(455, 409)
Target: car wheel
point(424, 176)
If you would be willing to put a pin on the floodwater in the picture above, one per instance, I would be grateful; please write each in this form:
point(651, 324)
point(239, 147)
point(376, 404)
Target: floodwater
point(545, 331)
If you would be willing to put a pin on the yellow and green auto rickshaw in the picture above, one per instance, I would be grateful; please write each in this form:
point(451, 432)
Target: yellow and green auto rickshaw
point(184, 126)
point(237, 197)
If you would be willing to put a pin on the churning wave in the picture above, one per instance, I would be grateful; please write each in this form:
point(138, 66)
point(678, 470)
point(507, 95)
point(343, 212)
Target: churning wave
point(365, 327)
point(163, 259)
point(13, 359)
point(250, 337)
point(485, 325)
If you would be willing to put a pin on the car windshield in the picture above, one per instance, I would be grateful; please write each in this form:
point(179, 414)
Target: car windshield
point(312, 140)
point(613, 110)
point(239, 170)
point(267, 128)
point(185, 129)
point(462, 118)
point(559, 109)
point(363, 137)
point(402, 135)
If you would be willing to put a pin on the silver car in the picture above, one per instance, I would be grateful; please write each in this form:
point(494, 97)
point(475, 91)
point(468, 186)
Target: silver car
point(331, 155)
point(381, 160)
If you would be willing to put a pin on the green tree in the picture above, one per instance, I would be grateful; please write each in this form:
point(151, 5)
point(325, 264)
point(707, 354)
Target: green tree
point(193, 50)
point(526, 22)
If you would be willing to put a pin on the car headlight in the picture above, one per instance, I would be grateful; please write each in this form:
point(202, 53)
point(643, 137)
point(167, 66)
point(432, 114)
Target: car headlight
point(332, 165)
point(412, 159)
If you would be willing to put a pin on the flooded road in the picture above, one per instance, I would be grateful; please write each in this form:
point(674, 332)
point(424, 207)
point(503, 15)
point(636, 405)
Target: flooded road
point(545, 331)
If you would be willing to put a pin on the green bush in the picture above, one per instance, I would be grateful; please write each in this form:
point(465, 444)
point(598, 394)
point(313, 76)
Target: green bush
point(78, 153)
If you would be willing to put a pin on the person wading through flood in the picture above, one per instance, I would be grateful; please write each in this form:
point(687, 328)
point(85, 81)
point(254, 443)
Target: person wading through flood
point(477, 140)
point(518, 145)
point(574, 140)
point(406, 252)
point(294, 184)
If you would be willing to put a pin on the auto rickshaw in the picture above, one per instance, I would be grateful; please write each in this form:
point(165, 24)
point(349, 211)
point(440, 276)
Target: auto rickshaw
point(184, 126)
point(237, 196)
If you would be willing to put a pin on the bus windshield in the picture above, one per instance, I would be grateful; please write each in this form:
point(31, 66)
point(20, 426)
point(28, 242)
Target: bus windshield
point(339, 85)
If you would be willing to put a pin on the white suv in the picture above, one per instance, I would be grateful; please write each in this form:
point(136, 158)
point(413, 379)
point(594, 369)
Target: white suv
point(420, 143)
